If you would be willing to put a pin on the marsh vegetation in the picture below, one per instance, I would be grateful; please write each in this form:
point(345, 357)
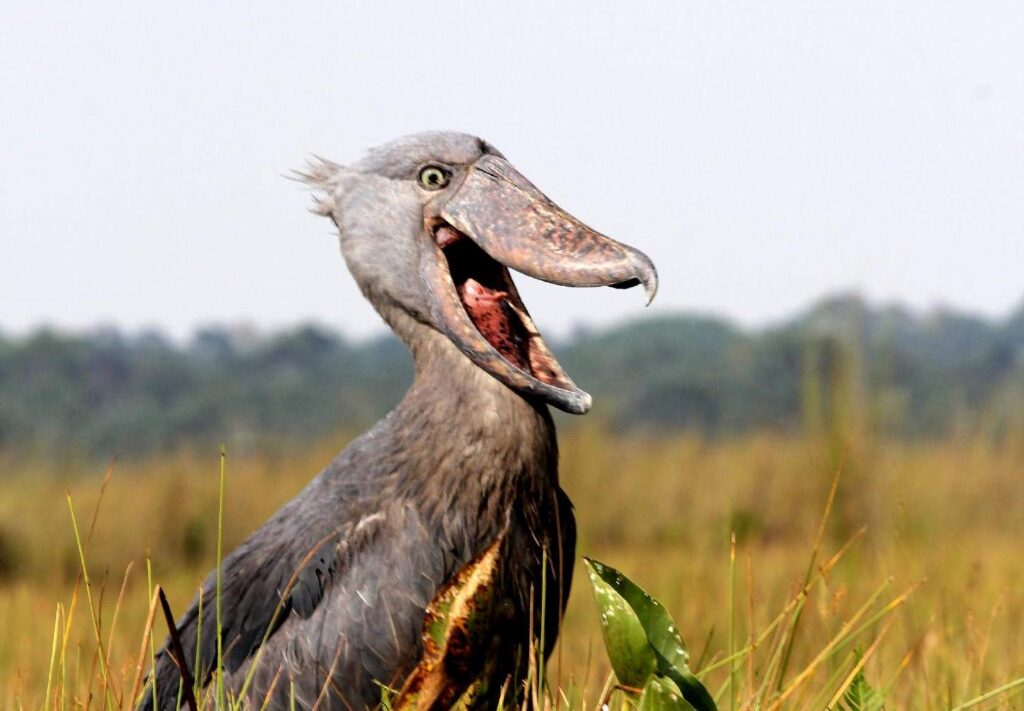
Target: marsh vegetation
point(922, 544)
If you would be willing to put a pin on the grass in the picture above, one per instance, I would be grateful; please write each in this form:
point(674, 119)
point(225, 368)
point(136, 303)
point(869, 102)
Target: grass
point(909, 583)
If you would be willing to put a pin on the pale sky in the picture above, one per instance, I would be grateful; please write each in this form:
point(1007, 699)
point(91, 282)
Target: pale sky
point(762, 154)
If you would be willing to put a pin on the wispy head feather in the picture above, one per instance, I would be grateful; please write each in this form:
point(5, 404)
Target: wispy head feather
point(322, 176)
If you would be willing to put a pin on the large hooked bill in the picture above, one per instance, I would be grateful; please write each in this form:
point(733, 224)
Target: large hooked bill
point(497, 220)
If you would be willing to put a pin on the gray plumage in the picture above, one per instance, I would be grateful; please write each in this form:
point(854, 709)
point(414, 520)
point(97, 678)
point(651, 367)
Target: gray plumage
point(462, 458)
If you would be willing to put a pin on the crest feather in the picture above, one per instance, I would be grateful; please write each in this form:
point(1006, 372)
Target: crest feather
point(322, 176)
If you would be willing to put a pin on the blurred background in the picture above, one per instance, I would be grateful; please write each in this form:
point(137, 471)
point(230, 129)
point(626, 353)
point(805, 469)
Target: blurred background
point(831, 194)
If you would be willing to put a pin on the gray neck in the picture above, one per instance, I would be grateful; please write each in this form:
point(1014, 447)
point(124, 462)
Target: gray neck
point(469, 436)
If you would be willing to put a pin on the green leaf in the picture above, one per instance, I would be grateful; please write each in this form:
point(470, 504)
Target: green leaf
point(624, 607)
point(661, 694)
point(625, 639)
point(861, 696)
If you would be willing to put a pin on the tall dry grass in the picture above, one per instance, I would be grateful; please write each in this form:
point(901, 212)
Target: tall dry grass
point(662, 510)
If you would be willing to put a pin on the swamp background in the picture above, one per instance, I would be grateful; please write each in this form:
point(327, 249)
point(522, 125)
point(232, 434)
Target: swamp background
point(702, 430)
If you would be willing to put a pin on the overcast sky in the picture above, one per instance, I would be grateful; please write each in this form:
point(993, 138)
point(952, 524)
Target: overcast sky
point(762, 154)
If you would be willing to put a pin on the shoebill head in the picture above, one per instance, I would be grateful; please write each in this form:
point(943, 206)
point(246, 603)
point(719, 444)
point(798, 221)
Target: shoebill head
point(431, 226)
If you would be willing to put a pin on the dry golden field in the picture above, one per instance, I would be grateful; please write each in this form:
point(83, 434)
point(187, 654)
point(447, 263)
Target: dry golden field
point(944, 521)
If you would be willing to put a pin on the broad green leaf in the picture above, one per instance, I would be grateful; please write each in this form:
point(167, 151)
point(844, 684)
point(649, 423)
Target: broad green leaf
point(616, 593)
point(661, 694)
point(625, 640)
point(456, 636)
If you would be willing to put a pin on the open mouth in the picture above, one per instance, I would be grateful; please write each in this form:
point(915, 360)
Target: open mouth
point(494, 220)
point(490, 299)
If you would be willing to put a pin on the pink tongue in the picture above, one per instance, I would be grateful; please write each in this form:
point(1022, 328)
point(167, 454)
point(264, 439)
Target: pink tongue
point(487, 311)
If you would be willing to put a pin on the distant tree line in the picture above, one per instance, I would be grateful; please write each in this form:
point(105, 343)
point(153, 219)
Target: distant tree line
point(840, 366)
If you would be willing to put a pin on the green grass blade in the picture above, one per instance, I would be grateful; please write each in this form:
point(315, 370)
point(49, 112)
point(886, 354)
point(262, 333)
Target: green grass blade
point(732, 623)
point(220, 551)
point(53, 655)
point(92, 610)
point(988, 696)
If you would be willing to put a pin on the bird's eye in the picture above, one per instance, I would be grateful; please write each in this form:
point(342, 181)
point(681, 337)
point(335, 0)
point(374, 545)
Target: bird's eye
point(432, 177)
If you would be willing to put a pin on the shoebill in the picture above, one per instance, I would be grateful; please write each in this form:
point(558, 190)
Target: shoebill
point(430, 226)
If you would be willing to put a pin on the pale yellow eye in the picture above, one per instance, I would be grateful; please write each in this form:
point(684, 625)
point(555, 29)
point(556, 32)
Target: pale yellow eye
point(433, 178)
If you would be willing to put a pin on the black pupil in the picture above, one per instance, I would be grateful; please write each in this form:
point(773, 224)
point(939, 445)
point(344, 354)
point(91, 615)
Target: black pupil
point(433, 176)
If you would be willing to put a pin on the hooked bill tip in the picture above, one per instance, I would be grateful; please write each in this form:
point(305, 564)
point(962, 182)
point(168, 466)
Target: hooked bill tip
point(650, 289)
point(649, 278)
